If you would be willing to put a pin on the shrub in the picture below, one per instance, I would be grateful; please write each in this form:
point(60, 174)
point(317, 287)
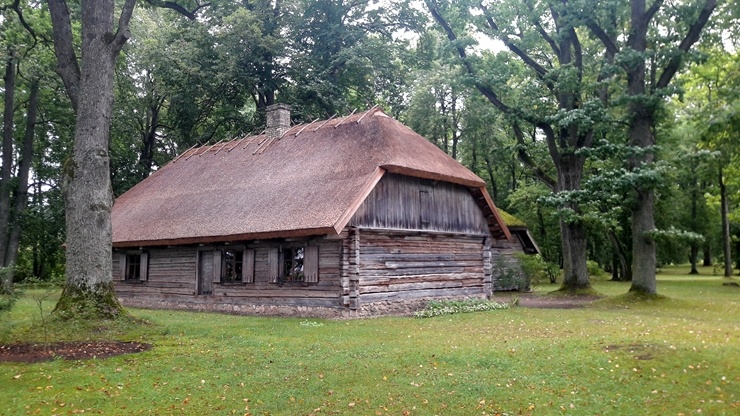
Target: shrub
point(510, 277)
point(594, 270)
point(438, 308)
point(7, 301)
point(537, 269)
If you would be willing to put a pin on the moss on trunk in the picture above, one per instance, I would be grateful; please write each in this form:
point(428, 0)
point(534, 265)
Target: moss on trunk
point(98, 302)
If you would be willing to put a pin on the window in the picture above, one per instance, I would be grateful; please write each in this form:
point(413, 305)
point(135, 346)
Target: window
point(293, 264)
point(133, 266)
point(232, 262)
point(297, 264)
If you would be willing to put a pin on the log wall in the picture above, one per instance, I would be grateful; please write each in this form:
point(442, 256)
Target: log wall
point(172, 273)
point(406, 265)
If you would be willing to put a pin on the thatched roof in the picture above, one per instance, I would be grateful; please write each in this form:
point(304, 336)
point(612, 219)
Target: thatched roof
point(309, 181)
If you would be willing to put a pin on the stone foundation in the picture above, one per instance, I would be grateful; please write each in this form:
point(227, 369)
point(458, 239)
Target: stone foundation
point(367, 310)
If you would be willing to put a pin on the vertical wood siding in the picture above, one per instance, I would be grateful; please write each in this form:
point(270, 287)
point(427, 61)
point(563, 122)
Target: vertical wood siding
point(403, 202)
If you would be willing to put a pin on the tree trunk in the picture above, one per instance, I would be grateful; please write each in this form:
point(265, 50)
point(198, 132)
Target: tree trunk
point(707, 253)
point(149, 137)
point(88, 291)
point(643, 222)
point(643, 245)
point(24, 167)
point(620, 257)
point(640, 134)
point(694, 253)
point(573, 234)
point(7, 168)
point(725, 210)
point(693, 256)
point(491, 178)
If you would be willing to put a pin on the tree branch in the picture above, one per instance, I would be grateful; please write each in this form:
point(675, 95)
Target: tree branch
point(178, 8)
point(577, 50)
point(527, 160)
point(123, 33)
point(15, 6)
point(546, 36)
point(610, 46)
point(652, 10)
point(539, 69)
point(692, 36)
point(487, 92)
point(68, 67)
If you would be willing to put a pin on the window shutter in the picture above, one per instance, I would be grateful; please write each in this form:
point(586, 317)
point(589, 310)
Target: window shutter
point(273, 265)
point(311, 264)
point(122, 265)
point(144, 267)
point(248, 266)
point(217, 266)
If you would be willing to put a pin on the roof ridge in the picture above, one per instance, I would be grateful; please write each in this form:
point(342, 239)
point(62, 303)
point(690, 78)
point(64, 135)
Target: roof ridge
point(266, 141)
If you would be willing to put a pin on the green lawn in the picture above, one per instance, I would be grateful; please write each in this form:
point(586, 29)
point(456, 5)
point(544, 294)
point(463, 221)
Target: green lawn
point(679, 355)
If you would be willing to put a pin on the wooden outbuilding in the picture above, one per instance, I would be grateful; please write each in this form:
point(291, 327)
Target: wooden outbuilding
point(351, 216)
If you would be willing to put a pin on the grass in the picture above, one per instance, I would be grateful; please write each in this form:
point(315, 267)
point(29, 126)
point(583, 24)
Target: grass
point(676, 355)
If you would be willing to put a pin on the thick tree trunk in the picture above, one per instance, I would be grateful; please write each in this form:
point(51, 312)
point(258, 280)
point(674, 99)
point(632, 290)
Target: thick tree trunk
point(87, 188)
point(643, 222)
point(640, 134)
point(724, 212)
point(88, 291)
point(7, 160)
point(573, 234)
point(24, 167)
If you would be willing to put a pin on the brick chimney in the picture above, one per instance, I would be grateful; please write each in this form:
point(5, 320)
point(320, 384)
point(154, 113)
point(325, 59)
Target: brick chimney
point(278, 120)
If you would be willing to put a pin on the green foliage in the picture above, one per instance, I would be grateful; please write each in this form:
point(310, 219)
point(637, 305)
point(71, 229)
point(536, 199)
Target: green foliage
point(594, 270)
point(537, 269)
point(439, 308)
point(7, 300)
point(510, 276)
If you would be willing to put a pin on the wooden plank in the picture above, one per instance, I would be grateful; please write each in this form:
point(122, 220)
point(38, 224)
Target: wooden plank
point(311, 264)
point(419, 294)
point(273, 265)
point(248, 265)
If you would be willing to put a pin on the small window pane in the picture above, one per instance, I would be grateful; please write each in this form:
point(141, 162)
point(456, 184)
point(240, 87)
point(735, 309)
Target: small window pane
point(231, 266)
point(133, 267)
point(293, 264)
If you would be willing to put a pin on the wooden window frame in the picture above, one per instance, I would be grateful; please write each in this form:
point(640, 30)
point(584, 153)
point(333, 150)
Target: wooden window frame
point(143, 269)
point(278, 272)
point(292, 277)
point(243, 265)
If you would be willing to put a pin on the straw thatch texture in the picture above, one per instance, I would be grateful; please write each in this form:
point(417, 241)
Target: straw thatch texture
point(307, 182)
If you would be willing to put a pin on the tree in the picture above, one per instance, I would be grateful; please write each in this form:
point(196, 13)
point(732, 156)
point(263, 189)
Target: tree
point(22, 46)
point(648, 73)
point(555, 96)
point(89, 82)
point(712, 105)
